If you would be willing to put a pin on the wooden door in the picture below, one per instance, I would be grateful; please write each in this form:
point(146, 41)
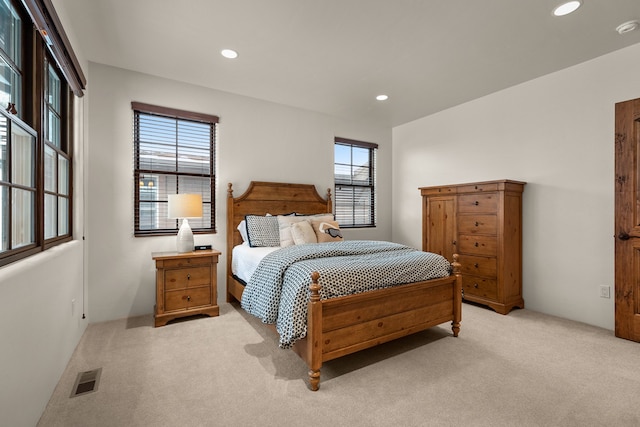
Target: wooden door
point(439, 223)
point(627, 220)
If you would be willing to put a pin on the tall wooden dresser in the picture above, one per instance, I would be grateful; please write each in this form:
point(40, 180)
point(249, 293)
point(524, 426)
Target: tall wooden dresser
point(482, 222)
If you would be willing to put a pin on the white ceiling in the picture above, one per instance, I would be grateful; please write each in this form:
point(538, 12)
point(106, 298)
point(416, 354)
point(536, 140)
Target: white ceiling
point(335, 56)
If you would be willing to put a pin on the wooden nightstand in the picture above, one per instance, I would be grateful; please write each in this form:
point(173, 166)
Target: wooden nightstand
point(186, 284)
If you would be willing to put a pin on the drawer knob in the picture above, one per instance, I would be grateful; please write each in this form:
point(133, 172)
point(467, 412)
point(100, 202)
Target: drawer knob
point(189, 297)
point(477, 224)
point(476, 265)
point(188, 276)
point(476, 244)
point(475, 285)
point(476, 203)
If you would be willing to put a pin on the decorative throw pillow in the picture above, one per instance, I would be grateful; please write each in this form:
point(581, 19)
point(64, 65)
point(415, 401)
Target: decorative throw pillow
point(285, 222)
point(262, 231)
point(302, 233)
point(327, 231)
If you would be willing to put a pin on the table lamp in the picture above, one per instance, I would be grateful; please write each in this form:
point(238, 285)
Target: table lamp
point(185, 206)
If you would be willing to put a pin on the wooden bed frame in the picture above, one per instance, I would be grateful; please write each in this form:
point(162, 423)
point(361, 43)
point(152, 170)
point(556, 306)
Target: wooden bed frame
point(344, 325)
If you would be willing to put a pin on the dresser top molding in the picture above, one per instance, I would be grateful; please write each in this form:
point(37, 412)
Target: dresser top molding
point(497, 185)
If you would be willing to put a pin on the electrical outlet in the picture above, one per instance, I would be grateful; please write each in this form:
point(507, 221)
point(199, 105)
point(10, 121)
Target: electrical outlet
point(605, 291)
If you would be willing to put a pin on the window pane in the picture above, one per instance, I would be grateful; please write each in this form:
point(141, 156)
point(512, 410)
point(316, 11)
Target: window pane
point(4, 221)
point(63, 176)
point(54, 90)
point(157, 143)
point(153, 216)
point(22, 157)
point(53, 128)
point(10, 83)
point(10, 44)
point(50, 216)
point(195, 185)
point(193, 147)
point(10, 32)
point(50, 169)
point(63, 216)
point(53, 133)
point(22, 211)
point(4, 170)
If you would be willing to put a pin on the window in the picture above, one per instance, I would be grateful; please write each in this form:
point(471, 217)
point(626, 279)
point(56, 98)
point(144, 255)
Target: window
point(355, 183)
point(35, 122)
point(173, 154)
point(57, 201)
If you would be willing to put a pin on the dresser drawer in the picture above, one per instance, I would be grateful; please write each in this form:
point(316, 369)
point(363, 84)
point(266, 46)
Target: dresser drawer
point(478, 245)
point(478, 224)
point(187, 278)
point(184, 299)
point(478, 203)
point(480, 287)
point(477, 188)
point(478, 266)
point(431, 191)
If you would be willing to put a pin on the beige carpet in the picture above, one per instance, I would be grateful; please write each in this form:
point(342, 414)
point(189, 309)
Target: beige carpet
point(524, 369)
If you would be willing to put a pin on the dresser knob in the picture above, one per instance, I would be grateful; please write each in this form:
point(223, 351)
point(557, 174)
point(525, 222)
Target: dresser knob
point(475, 265)
point(189, 297)
point(477, 203)
point(477, 224)
point(188, 276)
point(476, 244)
point(475, 285)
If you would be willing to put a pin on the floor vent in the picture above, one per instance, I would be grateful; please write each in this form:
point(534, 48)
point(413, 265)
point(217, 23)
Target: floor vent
point(86, 382)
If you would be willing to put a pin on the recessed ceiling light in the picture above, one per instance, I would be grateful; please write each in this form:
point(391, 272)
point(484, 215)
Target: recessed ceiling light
point(566, 8)
point(382, 97)
point(627, 27)
point(229, 53)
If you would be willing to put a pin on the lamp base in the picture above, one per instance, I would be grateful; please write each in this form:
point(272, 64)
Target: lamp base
point(185, 237)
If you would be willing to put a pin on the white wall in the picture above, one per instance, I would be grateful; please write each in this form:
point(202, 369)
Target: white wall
point(257, 141)
point(42, 299)
point(38, 328)
point(556, 133)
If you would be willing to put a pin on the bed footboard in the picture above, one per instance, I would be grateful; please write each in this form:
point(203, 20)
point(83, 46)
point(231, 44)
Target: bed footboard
point(344, 325)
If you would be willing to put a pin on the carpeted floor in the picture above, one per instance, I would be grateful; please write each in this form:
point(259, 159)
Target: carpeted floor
point(524, 369)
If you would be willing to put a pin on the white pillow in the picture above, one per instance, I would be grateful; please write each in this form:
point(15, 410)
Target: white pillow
point(242, 228)
point(303, 232)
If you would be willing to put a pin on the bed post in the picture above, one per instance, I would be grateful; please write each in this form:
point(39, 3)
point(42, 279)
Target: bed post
point(457, 296)
point(230, 297)
point(314, 332)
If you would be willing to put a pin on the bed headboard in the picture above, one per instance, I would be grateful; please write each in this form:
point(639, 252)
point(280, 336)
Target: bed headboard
point(271, 197)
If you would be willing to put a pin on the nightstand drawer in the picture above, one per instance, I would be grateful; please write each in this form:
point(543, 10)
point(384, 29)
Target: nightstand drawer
point(478, 224)
point(186, 262)
point(478, 245)
point(478, 203)
point(480, 287)
point(184, 299)
point(187, 278)
point(478, 266)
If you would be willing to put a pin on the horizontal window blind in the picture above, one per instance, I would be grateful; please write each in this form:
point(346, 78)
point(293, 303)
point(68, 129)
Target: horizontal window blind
point(355, 183)
point(173, 154)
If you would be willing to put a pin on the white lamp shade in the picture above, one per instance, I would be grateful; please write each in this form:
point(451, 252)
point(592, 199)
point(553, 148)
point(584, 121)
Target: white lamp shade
point(185, 206)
